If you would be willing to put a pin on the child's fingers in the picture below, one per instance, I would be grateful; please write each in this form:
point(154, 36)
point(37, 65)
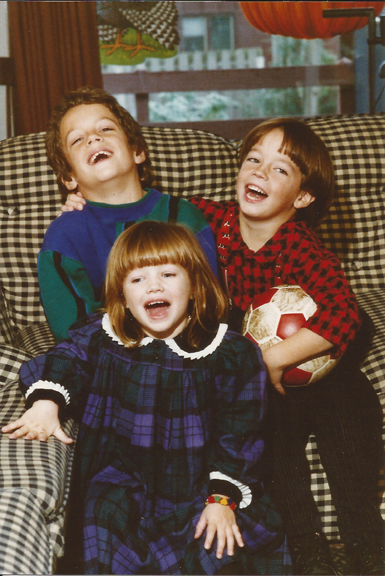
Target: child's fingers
point(200, 527)
point(238, 536)
point(74, 202)
point(11, 426)
point(228, 541)
point(19, 432)
point(62, 436)
point(71, 207)
point(278, 386)
point(221, 543)
point(210, 535)
point(36, 435)
point(220, 527)
point(78, 200)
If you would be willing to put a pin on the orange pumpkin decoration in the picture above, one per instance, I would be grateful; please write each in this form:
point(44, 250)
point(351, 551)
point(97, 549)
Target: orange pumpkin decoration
point(304, 19)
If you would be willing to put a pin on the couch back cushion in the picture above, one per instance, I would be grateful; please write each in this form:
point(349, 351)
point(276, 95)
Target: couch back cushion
point(354, 226)
point(29, 202)
point(188, 163)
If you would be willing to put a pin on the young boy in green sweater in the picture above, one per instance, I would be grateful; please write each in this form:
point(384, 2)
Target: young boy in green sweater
point(96, 148)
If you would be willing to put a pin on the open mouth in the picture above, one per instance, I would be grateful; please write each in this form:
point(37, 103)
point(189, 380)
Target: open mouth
point(98, 156)
point(157, 309)
point(254, 192)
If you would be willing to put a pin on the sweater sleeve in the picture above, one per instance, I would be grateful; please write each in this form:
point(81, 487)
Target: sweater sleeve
point(62, 374)
point(213, 211)
point(66, 291)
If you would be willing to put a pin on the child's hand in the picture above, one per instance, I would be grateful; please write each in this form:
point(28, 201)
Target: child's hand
point(74, 202)
point(300, 347)
point(219, 520)
point(38, 423)
point(274, 369)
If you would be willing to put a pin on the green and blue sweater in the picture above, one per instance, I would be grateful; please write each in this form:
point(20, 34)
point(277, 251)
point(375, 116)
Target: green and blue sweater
point(73, 258)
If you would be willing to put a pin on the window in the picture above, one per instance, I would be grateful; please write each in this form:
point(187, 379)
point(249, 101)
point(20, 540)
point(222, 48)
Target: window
point(194, 33)
point(221, 32)
point(214, 32)
point(218, 38)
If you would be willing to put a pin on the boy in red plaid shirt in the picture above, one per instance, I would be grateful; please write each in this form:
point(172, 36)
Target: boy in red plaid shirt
point(284, 187)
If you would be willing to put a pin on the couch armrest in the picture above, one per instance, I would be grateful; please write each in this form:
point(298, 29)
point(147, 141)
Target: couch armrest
point(7, 333)
point(34, 482)
point(42, 467)
point(25, 544)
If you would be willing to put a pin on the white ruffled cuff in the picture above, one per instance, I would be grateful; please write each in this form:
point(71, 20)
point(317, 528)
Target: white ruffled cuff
point(46, 385)
point(244, 489)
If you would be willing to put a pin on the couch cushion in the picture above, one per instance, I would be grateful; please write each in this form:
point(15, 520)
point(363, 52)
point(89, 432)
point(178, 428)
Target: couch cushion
point(29, 550)
point(191, 162)
point(35, 339)
point(354, 227)
point(34, 476)
point(29, 202)
point(7, 333)
point(10, 361)
point(373, 303)
point(41, 467)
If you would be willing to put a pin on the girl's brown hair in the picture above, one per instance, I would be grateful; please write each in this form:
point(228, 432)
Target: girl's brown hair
point(151, 243)
point(88, 95)
point(306, 149)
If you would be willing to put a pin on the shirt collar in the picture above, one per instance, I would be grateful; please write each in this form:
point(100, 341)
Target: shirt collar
point(170, 342)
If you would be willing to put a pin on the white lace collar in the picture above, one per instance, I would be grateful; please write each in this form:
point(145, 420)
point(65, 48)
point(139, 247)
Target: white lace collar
point(106, 324)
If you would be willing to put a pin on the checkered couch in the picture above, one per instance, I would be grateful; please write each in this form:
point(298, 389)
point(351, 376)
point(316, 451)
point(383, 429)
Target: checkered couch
point(34, 476)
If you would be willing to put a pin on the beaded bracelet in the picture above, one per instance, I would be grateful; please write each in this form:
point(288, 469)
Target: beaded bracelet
point(221, 500)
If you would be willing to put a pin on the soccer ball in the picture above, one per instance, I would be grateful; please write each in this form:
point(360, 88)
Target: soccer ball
point(277, 314)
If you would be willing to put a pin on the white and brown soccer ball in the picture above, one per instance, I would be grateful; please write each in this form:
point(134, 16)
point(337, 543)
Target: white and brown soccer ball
point(277, 314)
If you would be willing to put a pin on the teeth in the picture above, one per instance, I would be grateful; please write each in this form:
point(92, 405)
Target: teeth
point(97, 155)
point(158, 303)
point(256, 190)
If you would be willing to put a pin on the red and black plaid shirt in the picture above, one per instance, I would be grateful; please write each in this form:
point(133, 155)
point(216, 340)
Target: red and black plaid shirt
point(294, 255)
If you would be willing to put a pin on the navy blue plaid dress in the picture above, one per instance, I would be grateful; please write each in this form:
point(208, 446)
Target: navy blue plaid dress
point(157, 422)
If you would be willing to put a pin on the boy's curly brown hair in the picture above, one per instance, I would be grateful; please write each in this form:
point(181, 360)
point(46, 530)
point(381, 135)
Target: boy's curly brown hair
point(89, 95)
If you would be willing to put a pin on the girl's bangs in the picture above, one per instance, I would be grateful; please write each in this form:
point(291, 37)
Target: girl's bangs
point(155, 252)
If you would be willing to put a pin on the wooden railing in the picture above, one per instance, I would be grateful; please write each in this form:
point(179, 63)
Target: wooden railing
point(143, 83)
point(203, 60)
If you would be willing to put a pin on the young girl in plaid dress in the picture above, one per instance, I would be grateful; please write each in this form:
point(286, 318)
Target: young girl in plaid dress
point(171, 406)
